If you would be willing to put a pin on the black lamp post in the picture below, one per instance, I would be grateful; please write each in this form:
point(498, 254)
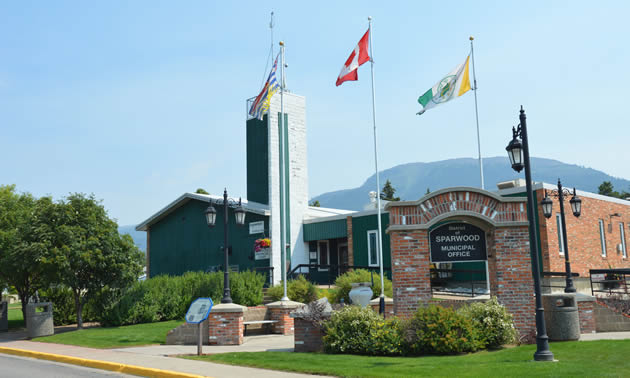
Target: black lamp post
point(519, 157)
point(576, 207)
point(211, 217)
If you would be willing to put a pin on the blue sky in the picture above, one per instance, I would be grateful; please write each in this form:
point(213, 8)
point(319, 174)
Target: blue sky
point(139, 102)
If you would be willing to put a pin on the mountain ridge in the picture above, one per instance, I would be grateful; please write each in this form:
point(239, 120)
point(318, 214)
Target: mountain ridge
point(412, 180)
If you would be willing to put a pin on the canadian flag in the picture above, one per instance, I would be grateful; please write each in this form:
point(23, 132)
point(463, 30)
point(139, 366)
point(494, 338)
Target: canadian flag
point(358, 57)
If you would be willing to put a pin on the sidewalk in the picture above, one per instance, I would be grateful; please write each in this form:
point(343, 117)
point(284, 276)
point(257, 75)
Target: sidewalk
point(153, 360)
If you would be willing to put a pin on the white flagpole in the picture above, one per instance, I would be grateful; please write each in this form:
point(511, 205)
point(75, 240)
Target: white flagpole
point(283, 200)
point(271, 25)
point(472, 53)
point(378, 184)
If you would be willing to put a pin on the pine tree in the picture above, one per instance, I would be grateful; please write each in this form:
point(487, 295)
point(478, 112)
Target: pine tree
point(388, 192)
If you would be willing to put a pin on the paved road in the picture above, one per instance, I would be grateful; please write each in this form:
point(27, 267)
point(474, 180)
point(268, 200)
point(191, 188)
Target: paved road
point(22, 367)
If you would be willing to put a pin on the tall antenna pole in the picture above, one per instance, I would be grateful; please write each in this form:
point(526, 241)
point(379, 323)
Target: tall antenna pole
point(472, 53)
point(378, 184)
point(283, 200)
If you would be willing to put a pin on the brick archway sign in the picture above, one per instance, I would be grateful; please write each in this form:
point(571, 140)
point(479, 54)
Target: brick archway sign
point(503, 219)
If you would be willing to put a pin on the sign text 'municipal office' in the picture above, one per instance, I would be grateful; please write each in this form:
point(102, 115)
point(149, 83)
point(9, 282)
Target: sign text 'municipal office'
point(453, 242)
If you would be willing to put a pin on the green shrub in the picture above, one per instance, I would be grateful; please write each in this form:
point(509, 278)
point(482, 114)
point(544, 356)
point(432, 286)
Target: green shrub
point(328, 293)
point(168, 297)
point(64, 310)
point(298, 290)
point(344, 284)
point(438, 330)
point(356, 330)
point(246, 288)
point(493, 323)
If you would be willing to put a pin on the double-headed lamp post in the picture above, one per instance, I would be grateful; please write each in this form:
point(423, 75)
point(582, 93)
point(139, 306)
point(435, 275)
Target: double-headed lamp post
point(211, 217)
point(576, 207)
point(518, 151)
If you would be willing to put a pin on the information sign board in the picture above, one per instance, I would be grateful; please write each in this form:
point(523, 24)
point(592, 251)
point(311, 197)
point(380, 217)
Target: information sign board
point(257, 227)
point(262, 254)
point(199, 310)
point(455, 242)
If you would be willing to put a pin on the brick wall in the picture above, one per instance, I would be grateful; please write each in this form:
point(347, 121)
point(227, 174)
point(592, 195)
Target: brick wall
point(410, 270)
point(583, 235)
point(389, 308)
point(185, 334)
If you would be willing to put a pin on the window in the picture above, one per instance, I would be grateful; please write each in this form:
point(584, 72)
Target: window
point(560, 238)
point(323, 254)
point(372, 248)
point(602, 237)
point(623, 241)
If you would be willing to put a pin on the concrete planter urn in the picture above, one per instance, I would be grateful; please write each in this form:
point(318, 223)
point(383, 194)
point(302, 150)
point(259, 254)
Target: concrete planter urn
point(361, 294)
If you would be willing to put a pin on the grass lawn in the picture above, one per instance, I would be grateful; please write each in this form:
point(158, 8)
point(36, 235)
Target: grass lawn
point(14, 313)
point(115, 337)
point(575, 359)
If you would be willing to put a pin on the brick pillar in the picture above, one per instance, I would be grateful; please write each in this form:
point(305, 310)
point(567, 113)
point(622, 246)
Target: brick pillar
point(511, 280)
point(350, 241)
point(225, 324)
point(411, 277)
point(281, 311)
point(586, 312)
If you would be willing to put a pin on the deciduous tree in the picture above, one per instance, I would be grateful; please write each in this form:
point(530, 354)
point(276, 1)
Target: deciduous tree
point(21, 248)
point(88, 252)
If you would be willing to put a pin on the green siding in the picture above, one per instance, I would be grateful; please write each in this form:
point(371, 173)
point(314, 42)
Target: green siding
point(257, 161)
point(360, 227)
point(183, 242)
point(325, 230)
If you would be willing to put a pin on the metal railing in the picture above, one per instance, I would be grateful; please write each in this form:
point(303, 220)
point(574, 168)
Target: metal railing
point(440, 277)
point(268, 271)
point(610, 281)
point(557, 274)
point(331, 272)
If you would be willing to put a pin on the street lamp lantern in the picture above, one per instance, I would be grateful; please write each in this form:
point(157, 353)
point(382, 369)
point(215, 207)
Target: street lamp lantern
point(211, 215)
point(515, 152)
point(239, 213)
point(576, 204)
point(519, 157)
point(547, 206)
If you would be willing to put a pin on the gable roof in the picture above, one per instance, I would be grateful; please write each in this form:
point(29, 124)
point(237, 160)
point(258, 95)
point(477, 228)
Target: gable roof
point(252, 207)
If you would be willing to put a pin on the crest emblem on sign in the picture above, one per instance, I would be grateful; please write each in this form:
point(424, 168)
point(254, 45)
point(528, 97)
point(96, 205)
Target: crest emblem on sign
point(445, 89)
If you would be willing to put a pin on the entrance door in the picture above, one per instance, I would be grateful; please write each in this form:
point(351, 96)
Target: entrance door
point(342, 255)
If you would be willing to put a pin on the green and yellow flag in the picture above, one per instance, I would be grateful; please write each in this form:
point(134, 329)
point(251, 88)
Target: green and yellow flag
point(455, 84)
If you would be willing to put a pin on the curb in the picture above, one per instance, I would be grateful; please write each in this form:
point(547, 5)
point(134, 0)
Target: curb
point(103, 365)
